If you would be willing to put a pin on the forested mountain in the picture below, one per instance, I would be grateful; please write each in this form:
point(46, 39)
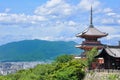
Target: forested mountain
point(36, 50)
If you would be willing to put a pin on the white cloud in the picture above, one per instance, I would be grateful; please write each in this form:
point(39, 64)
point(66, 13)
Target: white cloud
point(52, 32)
point(56, 20)
point(72, 23)
point(108, 21)
point(20, 18)
point(119, 21)
point(50, 38)
point(107, 10)
point(54, 8)
point(86, 4)
point(109, 29)
point(7, 10)
point(53, 3)
point(113, 36)
point(111, 14)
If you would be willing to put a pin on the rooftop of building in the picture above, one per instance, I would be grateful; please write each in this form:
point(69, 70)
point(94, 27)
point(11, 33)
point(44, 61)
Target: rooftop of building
point(91, 30)
point(113, 51)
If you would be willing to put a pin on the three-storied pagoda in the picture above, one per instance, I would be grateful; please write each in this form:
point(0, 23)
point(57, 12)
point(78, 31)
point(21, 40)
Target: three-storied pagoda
point(91, 36)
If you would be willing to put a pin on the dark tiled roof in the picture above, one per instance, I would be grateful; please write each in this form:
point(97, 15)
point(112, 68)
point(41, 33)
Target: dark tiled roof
point(113, 51)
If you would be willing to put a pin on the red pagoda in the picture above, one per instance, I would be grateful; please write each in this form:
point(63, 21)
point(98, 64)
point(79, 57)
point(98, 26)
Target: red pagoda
point(91, 36)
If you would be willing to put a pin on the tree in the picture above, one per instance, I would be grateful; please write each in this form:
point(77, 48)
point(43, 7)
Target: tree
point(64, 58)
point(90, 56)
point(72, 70)
point(64, 68)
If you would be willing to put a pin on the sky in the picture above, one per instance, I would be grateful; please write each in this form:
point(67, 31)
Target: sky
point(57, 20)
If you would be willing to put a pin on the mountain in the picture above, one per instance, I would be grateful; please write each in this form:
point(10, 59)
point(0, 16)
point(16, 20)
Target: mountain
point(36, 50)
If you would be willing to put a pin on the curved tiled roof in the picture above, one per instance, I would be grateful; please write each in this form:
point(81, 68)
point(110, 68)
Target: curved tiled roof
point(114, 52)
point(111, 51)
point(91, 31)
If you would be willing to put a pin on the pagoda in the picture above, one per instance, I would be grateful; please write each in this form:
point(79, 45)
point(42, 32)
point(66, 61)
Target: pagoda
point(91, 36)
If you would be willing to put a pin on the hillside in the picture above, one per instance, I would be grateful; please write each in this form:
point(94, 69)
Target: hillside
point(65, 67)
point(36, 50)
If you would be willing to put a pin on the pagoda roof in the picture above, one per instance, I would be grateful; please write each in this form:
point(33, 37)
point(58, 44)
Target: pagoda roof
point(92, 31)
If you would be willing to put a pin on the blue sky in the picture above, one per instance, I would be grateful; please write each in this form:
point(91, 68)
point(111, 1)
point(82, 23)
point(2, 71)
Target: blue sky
point(56, 20)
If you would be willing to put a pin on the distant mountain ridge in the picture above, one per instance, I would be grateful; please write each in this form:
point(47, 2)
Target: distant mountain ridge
point(36, 50)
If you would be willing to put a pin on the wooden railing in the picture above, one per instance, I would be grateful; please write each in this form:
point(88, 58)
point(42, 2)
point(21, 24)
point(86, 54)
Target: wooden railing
point(91, 42)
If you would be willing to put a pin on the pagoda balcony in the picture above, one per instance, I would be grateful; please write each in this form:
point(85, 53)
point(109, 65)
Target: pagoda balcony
point(89, 46)
point(91, 42)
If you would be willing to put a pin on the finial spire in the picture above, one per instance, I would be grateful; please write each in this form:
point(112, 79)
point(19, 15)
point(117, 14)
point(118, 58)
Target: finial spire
point(91, 16)
point(91, 19)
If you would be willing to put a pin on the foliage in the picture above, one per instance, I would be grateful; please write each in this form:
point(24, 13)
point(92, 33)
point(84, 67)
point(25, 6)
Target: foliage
point(70, 69)
point(64, 58)
point(90, 55)
point(113, 77)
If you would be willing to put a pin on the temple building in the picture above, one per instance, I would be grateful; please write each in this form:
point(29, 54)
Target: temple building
point(108, 57)
point(90, 36)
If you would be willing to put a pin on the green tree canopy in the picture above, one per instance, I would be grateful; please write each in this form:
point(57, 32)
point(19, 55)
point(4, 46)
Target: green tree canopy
point(64, 58)
point(64, 68)
point(90, 55)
